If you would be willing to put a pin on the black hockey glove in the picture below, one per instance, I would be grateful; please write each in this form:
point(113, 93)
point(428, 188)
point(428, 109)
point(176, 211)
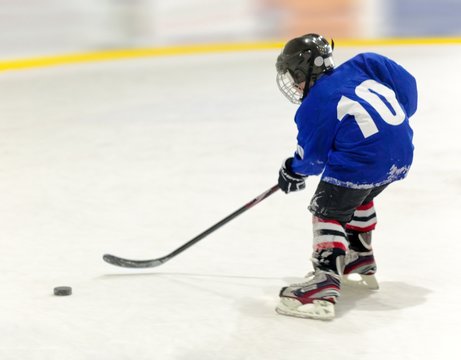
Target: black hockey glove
point(288, 180)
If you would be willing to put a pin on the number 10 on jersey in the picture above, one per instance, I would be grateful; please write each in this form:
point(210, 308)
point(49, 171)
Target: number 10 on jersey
point(374, 94)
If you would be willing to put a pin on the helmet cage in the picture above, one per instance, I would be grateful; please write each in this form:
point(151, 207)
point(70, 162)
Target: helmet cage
point(289, 88)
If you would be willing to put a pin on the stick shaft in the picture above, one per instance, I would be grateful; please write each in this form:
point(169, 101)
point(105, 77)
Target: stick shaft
point(115, 260)
point(224, 221)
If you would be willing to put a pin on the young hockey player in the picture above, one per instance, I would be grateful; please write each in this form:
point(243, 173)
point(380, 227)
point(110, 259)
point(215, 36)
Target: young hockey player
point(353, 128)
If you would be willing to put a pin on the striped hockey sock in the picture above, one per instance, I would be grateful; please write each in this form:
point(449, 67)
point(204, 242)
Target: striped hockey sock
point(359, 259)
point(330, 245)
point(364, 218)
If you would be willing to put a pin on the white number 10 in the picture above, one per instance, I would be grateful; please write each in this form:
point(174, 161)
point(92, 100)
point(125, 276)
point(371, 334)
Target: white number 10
point(369, 91)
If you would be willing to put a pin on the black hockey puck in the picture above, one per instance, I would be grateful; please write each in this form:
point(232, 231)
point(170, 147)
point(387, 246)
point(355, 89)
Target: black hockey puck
point(62, 290)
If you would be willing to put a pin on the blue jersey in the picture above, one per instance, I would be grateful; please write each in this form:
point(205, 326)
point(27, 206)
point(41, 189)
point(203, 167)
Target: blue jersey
point(353, 125)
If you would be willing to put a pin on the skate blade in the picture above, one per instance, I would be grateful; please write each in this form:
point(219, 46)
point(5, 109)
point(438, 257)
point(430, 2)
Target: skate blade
point(318, 310)
point(360, 281)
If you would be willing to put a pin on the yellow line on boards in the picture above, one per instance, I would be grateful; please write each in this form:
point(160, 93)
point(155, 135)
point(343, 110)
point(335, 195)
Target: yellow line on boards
point(17, 64)
point(108, 55)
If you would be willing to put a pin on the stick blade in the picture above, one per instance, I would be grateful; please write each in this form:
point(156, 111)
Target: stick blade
point(132, 264)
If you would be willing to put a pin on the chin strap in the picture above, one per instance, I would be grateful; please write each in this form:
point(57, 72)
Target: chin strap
point(307, 86)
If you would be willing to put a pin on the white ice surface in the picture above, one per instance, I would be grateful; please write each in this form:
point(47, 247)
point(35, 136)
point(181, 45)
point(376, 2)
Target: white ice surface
point(137, 157)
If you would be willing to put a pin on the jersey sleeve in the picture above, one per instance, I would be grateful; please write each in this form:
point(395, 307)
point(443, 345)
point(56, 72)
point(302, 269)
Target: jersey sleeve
point(316, 131)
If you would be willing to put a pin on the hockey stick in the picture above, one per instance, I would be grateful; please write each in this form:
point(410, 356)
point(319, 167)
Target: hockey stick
point(118, 261)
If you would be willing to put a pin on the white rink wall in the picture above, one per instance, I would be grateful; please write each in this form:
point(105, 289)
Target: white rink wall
point(29, 27)
point(40, 27)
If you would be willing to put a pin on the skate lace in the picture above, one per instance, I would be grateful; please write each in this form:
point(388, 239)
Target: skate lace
point(353, 255)
point(307, 279)
point(310, 277)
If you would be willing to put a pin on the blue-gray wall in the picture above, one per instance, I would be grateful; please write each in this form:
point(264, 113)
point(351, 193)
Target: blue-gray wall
point(409, 18)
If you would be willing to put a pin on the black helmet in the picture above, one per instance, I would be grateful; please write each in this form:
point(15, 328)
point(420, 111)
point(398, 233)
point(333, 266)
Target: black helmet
point(304, 58)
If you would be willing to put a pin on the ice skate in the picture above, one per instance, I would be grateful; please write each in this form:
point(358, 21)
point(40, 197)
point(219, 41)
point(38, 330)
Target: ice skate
point(360, 270)
point(314, 299)
point(360, 265)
